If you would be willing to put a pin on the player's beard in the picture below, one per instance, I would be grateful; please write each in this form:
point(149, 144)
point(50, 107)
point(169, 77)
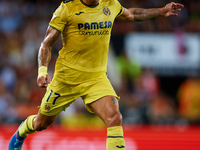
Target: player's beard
point(91, 2)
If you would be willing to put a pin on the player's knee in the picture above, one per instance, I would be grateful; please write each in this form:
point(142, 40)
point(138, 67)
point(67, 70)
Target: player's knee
point(114, 120)
point(39, 126)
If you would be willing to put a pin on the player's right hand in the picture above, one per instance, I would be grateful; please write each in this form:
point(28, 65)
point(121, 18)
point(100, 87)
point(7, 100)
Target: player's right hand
point(43, 78)
point(43, 82)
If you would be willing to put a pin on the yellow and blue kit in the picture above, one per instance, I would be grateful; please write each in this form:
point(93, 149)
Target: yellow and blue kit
point(82, 63)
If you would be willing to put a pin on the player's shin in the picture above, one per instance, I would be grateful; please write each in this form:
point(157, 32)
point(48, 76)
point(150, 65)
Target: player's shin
point(115, 138)
point(27, 127)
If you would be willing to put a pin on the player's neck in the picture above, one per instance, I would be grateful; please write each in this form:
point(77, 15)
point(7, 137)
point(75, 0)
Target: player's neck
point(91, 2)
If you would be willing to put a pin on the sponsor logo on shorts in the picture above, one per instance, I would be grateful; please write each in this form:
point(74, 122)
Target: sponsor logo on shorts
point(47, 107)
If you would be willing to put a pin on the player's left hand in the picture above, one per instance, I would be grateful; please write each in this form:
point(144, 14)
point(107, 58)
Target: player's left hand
point(171, 9)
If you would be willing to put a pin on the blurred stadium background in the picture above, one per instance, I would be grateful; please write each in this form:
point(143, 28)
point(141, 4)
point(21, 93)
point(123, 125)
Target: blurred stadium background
point(154, 66)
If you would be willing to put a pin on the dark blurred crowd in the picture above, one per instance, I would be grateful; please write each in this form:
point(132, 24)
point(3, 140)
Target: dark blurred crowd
point(23, 24)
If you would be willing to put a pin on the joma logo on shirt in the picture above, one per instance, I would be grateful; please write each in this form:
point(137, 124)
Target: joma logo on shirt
point(95, 25)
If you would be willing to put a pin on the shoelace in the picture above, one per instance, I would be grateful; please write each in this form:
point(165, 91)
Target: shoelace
point(17, 142)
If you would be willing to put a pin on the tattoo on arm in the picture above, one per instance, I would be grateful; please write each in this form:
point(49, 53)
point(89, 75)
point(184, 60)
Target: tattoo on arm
point(145, 14)
point(44, 55)
point(114, 100)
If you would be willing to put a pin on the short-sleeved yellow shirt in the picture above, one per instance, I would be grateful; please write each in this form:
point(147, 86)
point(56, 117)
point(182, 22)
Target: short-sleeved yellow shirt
point(86, 34)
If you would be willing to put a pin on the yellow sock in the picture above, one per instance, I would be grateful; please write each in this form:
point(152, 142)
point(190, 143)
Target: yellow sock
point(115, 138)
point(27, 126)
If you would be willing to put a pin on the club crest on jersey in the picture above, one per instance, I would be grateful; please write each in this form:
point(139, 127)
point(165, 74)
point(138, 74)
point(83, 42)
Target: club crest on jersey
point(46, 107)
point(106, 11)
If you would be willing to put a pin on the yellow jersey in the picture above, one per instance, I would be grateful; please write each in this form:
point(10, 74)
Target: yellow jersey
point(86, 32)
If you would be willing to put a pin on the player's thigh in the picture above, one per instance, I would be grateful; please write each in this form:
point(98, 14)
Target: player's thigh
point(57, 98)
point(107, 108)
point(96, 90)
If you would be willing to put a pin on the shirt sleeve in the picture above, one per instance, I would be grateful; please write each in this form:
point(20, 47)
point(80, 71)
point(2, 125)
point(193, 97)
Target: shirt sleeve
point(60, 18)
point(121, 12)
point(120, 8)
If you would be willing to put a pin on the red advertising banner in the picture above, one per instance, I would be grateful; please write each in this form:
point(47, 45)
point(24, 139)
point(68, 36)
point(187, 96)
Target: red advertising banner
point(90, 138)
